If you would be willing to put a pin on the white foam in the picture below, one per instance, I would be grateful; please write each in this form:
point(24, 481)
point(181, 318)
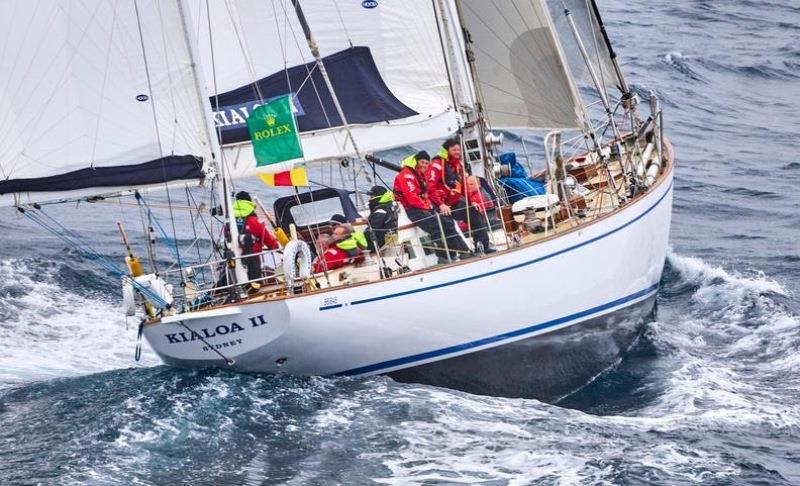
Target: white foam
point(54, 332)
point(696, 271)
point(468, 439)
point(731, 338)
point(719, 343)
point(672, 56)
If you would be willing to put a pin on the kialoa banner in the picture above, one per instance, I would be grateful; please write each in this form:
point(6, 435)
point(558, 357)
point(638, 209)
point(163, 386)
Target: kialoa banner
point(273, 132)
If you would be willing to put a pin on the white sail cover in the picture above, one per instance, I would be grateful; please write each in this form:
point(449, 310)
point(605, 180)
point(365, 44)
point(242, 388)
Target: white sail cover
point(384, 57)
point(522, 75)
point(76, 108)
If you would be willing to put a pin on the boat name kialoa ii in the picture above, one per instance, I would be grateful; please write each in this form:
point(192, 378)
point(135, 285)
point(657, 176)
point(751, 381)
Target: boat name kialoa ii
point(236, 115)
point(537, 274)
point(205, 333)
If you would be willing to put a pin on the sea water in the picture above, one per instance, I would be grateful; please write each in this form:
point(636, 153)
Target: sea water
point(710, 394)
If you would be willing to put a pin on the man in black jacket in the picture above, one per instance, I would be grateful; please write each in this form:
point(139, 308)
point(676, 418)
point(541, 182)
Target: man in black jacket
point(382, 216)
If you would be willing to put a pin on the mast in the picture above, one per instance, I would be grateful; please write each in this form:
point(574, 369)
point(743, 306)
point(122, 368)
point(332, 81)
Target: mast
point(462, 90)
point(464, 87)
point(218, 167)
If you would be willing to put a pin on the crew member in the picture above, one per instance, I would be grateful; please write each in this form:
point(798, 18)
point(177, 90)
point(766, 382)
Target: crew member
point(343, 247)
point(445, 177)
point(382, 216)
point(352, 242)
point(477, 199)
point(253, 235)
point(331, 257)
point(409, 190)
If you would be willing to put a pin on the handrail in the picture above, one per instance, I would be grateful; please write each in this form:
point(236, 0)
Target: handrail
point(218, 262)
point(204, 283)
point(196, 276)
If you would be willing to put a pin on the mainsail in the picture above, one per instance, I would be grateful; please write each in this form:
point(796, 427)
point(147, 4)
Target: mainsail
point(521, 72)
point(386, 66)
point(99, 97)
point(96, 97)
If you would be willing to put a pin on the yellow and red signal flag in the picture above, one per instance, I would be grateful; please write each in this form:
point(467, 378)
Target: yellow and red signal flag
point(295, 177)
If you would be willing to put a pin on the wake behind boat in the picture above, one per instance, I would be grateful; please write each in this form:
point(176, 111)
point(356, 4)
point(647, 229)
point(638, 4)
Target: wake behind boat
point(544, 283)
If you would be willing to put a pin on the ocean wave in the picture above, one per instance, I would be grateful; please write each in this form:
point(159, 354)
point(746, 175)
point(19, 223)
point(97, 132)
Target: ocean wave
point(762, 70)
point(51, 331)
point(746, 191)
point(682, 64)
point(732, 335)
point(719, 333)
point(270, 430)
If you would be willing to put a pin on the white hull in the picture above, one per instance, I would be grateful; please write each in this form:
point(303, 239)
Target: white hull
point(597, 270)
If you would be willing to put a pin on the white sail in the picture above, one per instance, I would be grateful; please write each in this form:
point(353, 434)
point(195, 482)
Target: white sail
point(89, 104)
point(522, 75)
point(404, 99)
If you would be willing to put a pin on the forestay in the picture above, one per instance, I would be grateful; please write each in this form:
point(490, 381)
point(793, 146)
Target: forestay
point(385, 62)
point(589, 30)
point(522, 75)
point(90, 104)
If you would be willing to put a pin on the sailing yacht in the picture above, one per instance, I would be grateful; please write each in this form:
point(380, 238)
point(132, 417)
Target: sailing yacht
point(106, 101)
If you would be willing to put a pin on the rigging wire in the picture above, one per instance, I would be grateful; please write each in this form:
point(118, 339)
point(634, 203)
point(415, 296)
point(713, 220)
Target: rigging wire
point(596, 45)
point(344, 26)
point(147, 231)
point(158, 133)
point(448, 67)
point(194, 228)
point(230, 277)
point(217, 127)
point(305, 63)
point(73, 240)
point(242, 46)
point(228, 361)
point(171, 243)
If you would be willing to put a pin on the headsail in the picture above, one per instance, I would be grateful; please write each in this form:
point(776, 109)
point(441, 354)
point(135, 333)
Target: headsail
point(589, 29)
point(386, 65)
point(522, 75)
point(96, 97)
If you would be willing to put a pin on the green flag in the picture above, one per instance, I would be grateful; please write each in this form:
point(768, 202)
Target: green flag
point(273, 132)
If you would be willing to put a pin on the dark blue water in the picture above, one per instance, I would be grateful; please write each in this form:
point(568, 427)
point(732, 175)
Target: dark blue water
point(710, 394)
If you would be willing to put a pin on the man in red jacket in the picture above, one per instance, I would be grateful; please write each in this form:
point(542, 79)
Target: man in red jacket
point(340, 249)
point(253, 234)
point(331, 257)
point(409, 190)
point(445, 180)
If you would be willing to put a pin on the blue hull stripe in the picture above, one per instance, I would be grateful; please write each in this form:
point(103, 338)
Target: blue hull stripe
point(328, 307)
point(500, 337)
point(513, 267)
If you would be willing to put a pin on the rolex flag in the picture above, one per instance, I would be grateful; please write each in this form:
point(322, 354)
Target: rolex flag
point(273, 132)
